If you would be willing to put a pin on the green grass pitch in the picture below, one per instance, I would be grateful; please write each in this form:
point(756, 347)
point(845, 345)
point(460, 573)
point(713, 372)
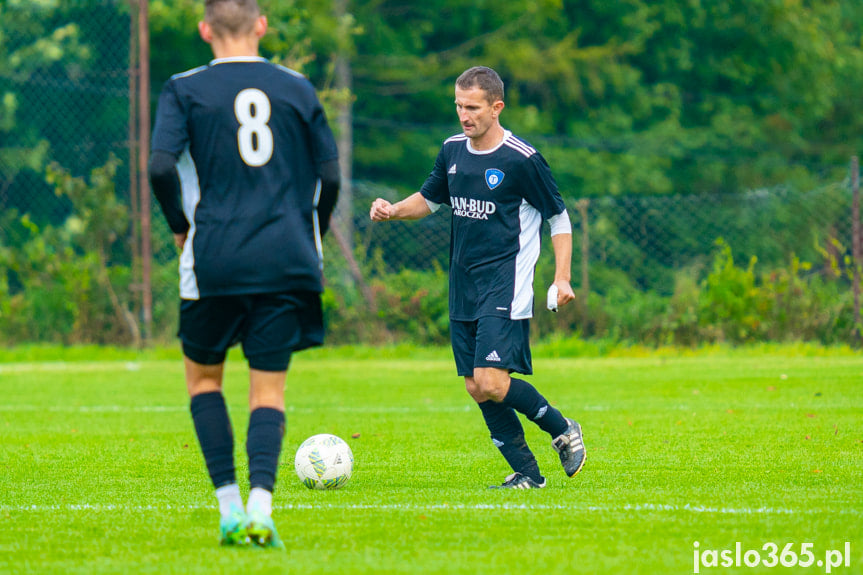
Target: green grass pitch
point(100, 471)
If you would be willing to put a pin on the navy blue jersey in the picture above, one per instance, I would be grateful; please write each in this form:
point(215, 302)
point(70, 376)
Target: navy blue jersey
point(249, 137)
point(499, 199)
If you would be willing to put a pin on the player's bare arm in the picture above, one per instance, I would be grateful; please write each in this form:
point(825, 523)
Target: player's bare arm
point(413, 207)
point(562, 246)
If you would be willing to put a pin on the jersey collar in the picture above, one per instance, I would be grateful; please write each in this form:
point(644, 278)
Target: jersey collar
point(237, 59)
point(506, 134)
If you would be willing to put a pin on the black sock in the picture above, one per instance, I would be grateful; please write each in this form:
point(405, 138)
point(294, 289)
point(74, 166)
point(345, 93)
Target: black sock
point(524, 398)
point(508, 435)
point(213, 426)
point(263, 445)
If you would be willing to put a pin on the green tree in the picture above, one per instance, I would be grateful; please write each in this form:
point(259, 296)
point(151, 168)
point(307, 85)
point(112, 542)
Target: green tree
point(60, 95)
point(622, 96)
point(31, 40)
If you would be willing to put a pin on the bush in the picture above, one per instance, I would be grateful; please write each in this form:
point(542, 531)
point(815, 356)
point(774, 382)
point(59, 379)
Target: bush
point(730, 304)
point(71, 283)
point(61, 284)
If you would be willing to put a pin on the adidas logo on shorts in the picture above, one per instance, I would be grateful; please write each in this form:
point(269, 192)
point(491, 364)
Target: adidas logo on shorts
point(493, 356)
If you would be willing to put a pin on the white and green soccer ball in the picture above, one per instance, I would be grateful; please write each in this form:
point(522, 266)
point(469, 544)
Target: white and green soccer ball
point(324, 461)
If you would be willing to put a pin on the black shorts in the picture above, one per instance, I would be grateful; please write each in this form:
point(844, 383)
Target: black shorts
point(270, 327)
point(491, 342)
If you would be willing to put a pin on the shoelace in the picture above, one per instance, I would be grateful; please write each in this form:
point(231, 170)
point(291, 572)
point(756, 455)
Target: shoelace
point(514, 480)
point(520, 483)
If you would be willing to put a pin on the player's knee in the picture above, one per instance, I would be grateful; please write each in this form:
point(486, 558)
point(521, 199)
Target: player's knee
point(490, 384)
point(203, 385)
point(473, 389)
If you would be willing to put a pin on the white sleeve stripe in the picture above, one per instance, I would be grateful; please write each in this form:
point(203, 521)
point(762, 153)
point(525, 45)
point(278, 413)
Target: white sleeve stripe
point(526, 146)
point(456, 138)
point(513, 141)
point(432, 205)
point(188, 72)
point(520, 146)
point(316, 221)
point(560, 223)
point(290, 71)
point(522, 151)
point(521, 143)
point(317, 199)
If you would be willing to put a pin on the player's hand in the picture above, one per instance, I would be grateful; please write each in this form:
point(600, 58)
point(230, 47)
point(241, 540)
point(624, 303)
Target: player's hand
point(381, 210)
point(564, 292)
point(180, 240)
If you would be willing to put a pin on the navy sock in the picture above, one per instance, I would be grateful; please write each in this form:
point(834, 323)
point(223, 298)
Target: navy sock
point(508, 435)
point(524, 398)
point(213, 427)
point(263, 445)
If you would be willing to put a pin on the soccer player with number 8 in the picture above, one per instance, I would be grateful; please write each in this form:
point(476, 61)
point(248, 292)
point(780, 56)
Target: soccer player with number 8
point(245, 168)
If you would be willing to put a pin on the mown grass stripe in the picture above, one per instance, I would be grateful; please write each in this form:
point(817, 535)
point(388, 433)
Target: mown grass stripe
point(642, 507)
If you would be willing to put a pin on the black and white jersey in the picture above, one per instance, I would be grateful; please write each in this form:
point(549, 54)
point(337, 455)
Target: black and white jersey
point(248, 136)
point(499, 199)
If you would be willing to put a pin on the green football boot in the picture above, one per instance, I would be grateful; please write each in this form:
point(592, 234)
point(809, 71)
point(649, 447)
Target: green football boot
point(262, 531)
point(233, 529)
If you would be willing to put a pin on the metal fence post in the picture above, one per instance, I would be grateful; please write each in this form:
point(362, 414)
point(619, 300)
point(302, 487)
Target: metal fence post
point(134, 196)
point(582, 206)
point(855, 239)
point(143, 159)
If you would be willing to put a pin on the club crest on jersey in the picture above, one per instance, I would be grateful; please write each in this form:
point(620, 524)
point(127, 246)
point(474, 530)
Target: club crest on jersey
point(493, 177)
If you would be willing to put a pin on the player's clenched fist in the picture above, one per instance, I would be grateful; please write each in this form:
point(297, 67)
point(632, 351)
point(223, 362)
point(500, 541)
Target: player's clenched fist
point(381, 210)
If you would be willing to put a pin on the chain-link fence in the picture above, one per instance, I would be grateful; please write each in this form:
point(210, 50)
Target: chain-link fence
point(64, 97)
point(777, 261)
point(69, 266)
point(65, 86)
point(650, 237)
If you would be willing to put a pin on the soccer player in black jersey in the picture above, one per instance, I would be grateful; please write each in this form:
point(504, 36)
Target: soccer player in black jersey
point(245, 168)
point(500, 190)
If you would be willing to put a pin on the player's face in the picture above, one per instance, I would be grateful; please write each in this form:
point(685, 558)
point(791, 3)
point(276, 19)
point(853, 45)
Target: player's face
point(475, 113)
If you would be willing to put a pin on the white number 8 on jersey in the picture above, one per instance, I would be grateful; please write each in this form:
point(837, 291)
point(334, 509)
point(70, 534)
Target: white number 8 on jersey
point(252, 108)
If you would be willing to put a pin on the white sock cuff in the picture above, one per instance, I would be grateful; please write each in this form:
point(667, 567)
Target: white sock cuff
point(261, 499)
point(229, 496)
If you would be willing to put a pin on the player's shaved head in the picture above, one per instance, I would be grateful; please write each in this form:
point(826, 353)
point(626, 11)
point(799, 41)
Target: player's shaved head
point(483, 78)
point(231, 18)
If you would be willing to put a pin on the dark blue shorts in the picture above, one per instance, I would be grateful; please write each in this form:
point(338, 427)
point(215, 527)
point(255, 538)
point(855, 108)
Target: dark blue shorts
point(270, 327)
point(491, 342)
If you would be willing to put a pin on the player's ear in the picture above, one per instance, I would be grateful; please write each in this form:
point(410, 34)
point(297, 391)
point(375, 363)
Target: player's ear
point(206, 31)
point(260, 26)
point(497, 107)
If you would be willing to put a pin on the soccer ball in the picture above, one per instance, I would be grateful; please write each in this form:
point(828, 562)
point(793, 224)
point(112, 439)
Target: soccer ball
point(324, 461)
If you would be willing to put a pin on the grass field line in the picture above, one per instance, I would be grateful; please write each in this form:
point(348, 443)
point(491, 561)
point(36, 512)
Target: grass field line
point(97, 408)
point(419, 408)
point(75, 366)
point(185, 408)
point(630, 507)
